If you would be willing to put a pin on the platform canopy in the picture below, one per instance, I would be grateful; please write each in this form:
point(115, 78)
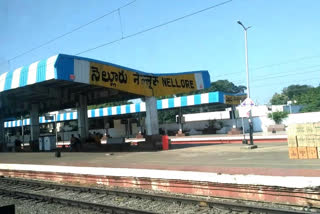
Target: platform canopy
point(212, 98)
point(56, 83)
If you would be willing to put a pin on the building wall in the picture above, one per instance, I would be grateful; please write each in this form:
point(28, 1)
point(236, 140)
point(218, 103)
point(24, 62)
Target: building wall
point(309, 117)
point(195, 123)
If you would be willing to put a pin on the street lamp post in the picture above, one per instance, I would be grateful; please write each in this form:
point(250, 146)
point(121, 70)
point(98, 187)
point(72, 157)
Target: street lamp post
point(247, 72)
point(246, 47)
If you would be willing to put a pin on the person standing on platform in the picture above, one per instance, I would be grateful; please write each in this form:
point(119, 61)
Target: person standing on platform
point(74, 143)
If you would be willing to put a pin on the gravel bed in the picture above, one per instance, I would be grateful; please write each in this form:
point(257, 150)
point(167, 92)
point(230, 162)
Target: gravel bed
point(23, 206)
point(120, 201)
point(153, 205)
point(213, 199)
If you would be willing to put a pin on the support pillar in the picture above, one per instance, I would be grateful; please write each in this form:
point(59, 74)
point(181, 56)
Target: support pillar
point(153, 139)
point(34, 126)
point(82, 110)
point(181, 121)
point(234, 118)
point(139, 135)
point(234, 130)
point(2, 141)
point(152, 123)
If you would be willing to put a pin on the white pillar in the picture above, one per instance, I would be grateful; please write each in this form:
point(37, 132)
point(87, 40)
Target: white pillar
point(2, 141)
point(180, 120)
point(233, 116)
point(34, 122)
point(152, 123)
point(82, 110)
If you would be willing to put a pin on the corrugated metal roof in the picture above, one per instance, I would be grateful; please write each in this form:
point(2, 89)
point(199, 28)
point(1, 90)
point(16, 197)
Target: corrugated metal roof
point(183, 101)
point(62, 67)
point(34, 73)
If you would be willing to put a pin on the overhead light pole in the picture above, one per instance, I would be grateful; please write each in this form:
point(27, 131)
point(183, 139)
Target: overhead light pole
point(246, 47)
point(247, 72)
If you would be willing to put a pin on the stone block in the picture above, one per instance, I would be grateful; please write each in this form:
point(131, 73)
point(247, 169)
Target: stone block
point(312, 152)
point(293, 153)
point(292, 141)
point(302, 153)
point(301, 140)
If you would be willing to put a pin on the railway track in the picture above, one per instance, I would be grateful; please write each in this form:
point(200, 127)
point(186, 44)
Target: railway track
point(117, 201)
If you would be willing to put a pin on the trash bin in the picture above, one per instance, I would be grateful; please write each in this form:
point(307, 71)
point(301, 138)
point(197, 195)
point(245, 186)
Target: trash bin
point(165, 142)
point(57, 153)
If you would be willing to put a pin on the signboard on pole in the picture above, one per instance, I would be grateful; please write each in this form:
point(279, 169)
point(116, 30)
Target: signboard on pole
point(233, 100)
point(247, 103)
point(245, 107)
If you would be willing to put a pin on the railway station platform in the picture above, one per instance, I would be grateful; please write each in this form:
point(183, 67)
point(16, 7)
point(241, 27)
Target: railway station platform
point(260, 137)
point(217, 170)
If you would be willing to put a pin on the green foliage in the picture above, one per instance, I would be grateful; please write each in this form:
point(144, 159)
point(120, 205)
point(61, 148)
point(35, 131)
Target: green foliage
point(310, 99)
point(167, 116)
point(294, 91)
point(220, 85)
point(279, 99)
point(225, 86)
point(278, 116)
point(307, 96)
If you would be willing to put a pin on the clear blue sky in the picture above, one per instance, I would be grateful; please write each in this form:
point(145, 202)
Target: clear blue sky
point(282, 33)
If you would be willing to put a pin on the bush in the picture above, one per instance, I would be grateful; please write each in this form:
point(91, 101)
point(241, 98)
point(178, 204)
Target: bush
point(278, 116)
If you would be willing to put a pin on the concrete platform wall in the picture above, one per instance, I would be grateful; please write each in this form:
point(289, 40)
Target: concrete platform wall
point(274, 189)
point(309, 117)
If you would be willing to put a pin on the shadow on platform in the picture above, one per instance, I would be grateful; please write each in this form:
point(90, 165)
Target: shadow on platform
point(183, 146)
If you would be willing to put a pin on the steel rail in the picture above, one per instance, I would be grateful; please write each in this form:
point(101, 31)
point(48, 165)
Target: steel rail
point(210, 203)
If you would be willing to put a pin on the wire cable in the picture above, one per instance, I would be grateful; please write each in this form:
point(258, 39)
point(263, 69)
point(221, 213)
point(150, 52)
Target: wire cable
point(71, 31)
point(299, 73)
point(286, 62)
point(154, 27)
point(120, 22)
point(287, 82)
point(282, 74)
point(275, 64)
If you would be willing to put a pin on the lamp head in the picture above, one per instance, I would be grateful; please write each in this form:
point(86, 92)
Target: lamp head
point(240, 23)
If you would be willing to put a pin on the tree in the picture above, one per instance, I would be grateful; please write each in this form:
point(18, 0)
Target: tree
point(294, 91)
point(310, 100)
point(224, 86)
point(279, 99)
point(278, 116)
point(220, 85)
point(168, 115)
point(307, 96)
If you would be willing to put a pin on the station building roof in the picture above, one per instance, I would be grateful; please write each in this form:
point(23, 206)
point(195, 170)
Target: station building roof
point(76, 69)
point(55, 83)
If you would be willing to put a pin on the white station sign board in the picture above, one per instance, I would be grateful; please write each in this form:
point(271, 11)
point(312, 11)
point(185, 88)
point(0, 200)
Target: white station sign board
point(247, 103)
point(245, 107)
